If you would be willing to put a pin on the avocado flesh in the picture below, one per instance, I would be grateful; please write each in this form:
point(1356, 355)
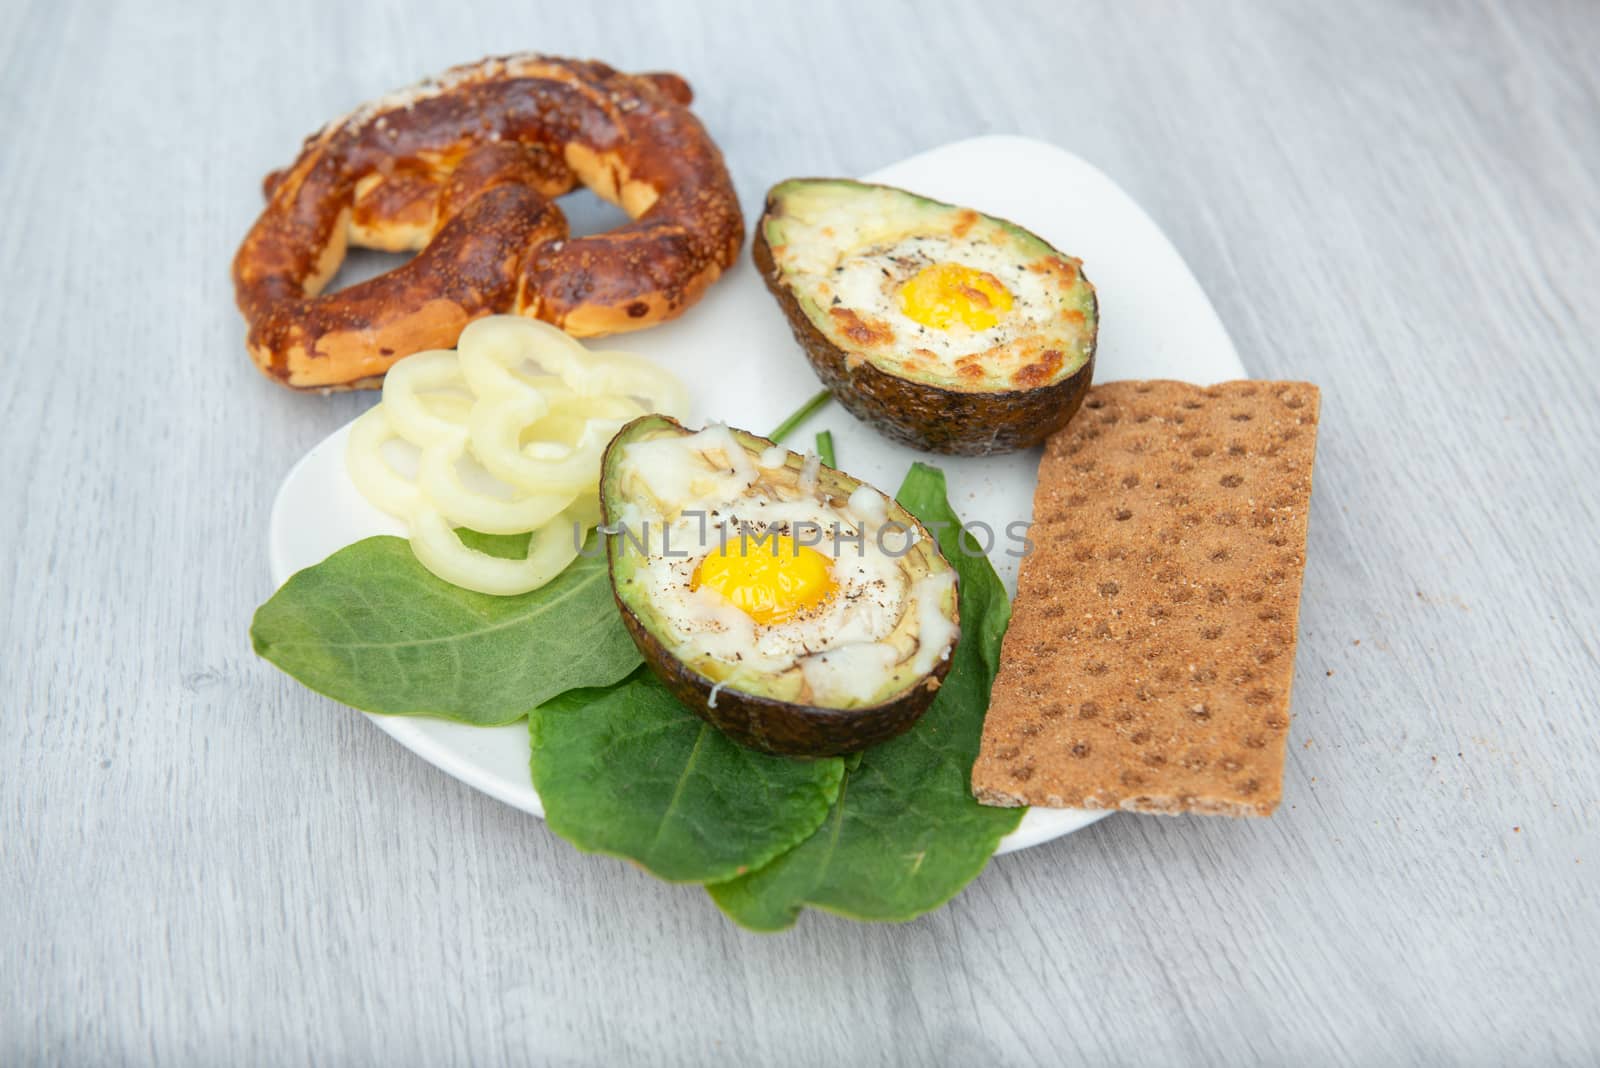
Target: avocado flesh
point(767, 709)
point(1010, 389)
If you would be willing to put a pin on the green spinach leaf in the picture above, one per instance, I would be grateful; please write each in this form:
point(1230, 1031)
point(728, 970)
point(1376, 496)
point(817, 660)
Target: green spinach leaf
point(629, 771)
point(374, 629)
point(905, 834)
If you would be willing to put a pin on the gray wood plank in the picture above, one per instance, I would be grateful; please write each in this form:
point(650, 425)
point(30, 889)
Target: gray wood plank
point(201, 861)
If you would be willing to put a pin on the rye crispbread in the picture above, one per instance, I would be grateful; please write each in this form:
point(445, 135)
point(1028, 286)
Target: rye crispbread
point(1151, 648)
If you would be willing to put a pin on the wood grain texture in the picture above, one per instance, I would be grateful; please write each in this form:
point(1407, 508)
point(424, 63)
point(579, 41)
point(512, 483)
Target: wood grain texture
point(201, 862)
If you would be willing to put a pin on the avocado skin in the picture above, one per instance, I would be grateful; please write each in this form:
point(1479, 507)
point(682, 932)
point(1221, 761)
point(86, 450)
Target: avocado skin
point(779, 726)
point(772, 726)
point(927, 417)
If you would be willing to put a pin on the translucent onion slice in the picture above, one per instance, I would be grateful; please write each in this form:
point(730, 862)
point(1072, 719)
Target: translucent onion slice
point(439, 479)
point(585, 512)
point(531, 407)
point(550, 550)
point(624, 374)
point(557, 428)
point(564, 402)
point(489, 350)
point(541, 467)
point(403, 389)
point(378, 482)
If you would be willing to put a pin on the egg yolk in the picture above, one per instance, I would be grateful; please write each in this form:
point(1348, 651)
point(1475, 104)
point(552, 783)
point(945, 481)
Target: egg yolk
point(771, 580)
point(943, 294)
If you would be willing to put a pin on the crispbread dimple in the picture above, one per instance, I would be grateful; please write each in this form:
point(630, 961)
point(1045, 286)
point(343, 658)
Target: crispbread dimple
point(1151, 647)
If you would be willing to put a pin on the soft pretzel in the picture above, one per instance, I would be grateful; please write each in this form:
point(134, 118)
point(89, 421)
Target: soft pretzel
point(463, 168)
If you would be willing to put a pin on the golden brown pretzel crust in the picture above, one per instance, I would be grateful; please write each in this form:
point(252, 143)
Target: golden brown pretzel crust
point(463, 167)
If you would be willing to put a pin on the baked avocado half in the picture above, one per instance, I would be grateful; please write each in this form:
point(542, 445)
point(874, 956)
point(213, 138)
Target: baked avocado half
point(949, 330)
point(793, 607)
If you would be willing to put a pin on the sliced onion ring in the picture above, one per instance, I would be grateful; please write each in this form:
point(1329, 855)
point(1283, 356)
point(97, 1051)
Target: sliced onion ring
point(495, 434)
point(378, 482)
point(624, 374)
point(552, 547)
point(403, 387)
point(542, 433)
point(439, 480)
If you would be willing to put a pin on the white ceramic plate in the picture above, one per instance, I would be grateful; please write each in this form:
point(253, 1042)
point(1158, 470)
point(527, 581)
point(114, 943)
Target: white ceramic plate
point(735, 352)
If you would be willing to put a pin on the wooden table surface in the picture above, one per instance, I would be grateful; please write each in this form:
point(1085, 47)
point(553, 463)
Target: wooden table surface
point(204, 863)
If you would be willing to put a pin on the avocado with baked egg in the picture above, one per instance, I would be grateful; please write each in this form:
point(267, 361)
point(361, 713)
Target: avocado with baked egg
point(797, 609)
point(944, 328)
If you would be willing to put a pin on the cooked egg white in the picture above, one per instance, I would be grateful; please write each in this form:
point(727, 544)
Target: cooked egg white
point(943, 295)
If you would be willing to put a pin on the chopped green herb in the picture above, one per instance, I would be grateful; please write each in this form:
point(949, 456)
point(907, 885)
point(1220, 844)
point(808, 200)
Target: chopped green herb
point(801, 414)
point(825, 448)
